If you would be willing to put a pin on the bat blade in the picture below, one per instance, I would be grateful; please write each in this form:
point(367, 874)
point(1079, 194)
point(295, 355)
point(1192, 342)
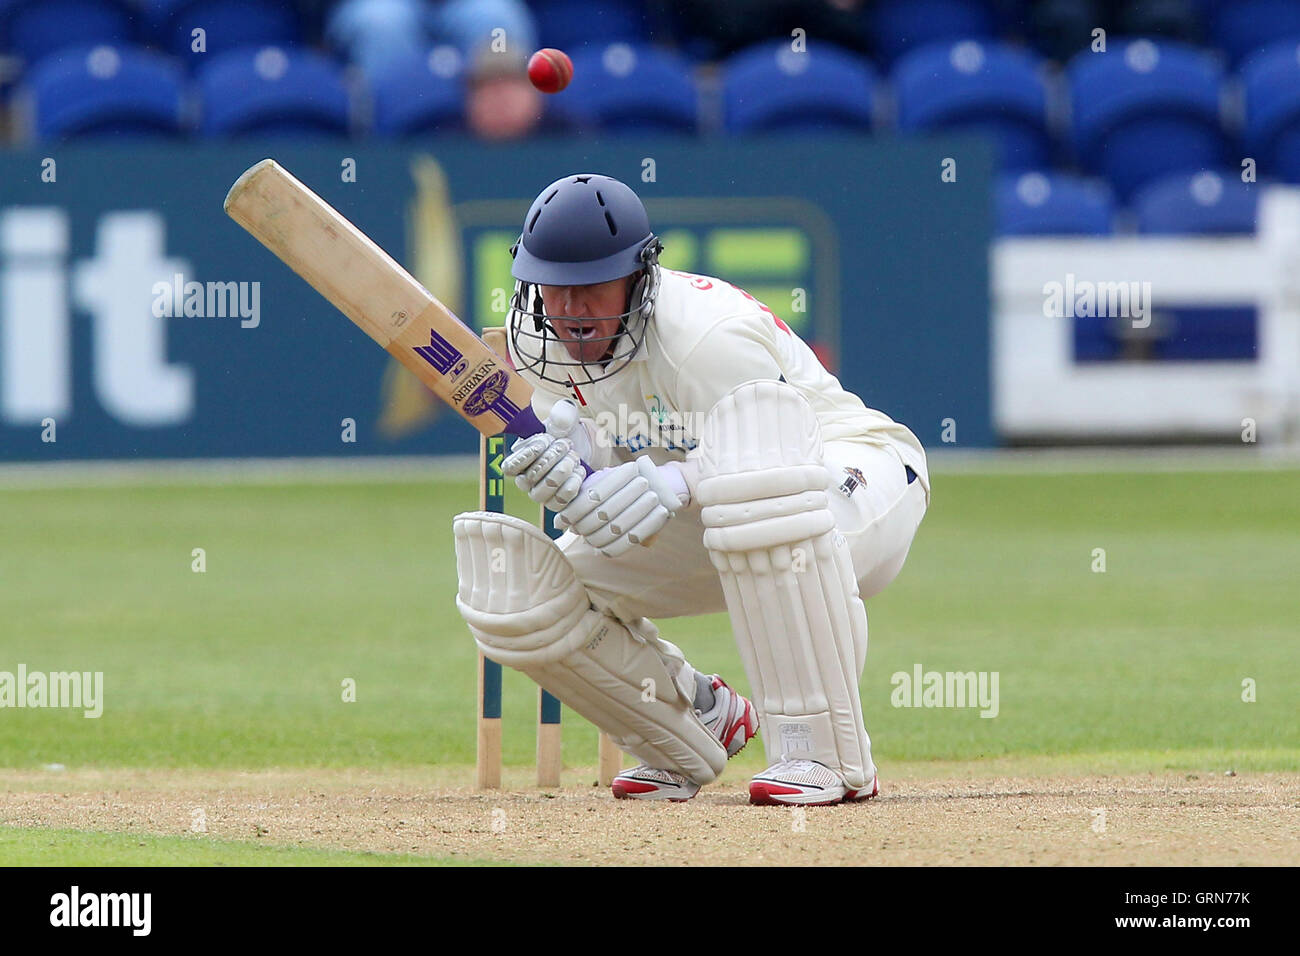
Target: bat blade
point(378, 295)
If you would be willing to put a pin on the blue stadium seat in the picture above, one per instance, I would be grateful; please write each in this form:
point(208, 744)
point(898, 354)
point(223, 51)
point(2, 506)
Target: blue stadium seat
point(30, 29)
point(623, 87)
point(421, 95)
point(1244, 27)
point(770, 87)
point(1203, 203)
point(103, 91)
point(572, 25)
point(1143, 109)
point(977, 87)
point(273, 92)
point(1045, 204)
point(1272, 84)
point(897, 26)
point(227, 25)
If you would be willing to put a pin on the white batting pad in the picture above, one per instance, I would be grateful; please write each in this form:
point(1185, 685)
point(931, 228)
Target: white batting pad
point(787, 576)
point(527, 609)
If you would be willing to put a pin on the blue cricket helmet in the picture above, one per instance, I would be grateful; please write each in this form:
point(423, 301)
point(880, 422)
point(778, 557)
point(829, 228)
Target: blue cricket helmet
point(582, 230)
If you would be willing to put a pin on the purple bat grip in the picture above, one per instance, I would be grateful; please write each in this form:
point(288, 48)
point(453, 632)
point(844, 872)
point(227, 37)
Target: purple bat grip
point(526, 423)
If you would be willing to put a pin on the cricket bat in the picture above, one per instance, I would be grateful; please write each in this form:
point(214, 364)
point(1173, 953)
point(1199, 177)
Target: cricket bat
point(374, 291)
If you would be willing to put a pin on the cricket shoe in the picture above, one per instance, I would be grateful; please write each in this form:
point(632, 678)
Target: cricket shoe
point(732, 719)
point(805, 783)
point(649, 783)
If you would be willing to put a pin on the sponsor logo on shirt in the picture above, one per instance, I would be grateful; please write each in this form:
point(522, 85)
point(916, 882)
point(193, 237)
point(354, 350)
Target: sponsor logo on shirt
point(658, 427)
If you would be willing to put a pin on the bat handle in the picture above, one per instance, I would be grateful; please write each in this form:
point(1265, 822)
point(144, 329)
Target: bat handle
point(559, 424)
point(563, 423)
point(563, 418)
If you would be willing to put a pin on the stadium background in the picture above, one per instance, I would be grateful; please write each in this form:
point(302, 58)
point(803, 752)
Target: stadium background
point(898, 180)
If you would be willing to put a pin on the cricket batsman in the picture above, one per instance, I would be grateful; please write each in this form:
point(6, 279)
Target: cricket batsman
point(727, 470)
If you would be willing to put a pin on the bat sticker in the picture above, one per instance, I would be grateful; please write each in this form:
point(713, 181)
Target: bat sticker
point(439, 353)
point(487, 395)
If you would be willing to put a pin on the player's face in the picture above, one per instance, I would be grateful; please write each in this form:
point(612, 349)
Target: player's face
point(579, 315)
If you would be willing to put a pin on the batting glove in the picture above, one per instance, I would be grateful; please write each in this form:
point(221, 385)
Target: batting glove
point(621, 507)
point(548, 466)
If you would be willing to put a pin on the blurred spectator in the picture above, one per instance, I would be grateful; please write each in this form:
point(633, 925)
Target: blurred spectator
point(375, 33)
point(469, 24)
point(500, 103)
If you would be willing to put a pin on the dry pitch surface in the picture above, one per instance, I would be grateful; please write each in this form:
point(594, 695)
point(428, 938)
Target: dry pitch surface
point(967, 817)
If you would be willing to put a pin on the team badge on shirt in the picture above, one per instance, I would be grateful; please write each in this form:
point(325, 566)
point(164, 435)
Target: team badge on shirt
point(853, 477)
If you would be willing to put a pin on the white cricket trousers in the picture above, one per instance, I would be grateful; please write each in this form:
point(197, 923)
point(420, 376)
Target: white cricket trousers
point(674, 576)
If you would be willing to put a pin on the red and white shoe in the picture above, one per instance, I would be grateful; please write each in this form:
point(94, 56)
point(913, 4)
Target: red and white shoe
point(648, 783)
point(732, 719)
point(805, 783)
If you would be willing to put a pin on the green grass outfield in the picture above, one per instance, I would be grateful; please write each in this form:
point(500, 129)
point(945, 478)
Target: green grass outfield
point(309, 584)
point(40, 847)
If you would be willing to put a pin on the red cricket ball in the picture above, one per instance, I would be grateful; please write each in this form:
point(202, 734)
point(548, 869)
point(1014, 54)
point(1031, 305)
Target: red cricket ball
point(550, 70)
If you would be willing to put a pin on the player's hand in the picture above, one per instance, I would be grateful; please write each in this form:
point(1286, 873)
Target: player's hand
point(621, 507)
point(548, 466)
point(545, 468)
